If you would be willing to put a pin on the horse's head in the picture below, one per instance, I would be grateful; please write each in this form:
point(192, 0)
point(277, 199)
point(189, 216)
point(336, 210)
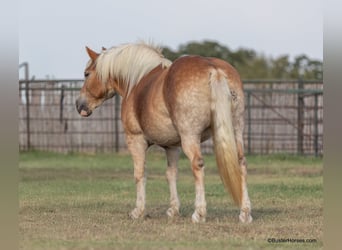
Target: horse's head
point(94, 92)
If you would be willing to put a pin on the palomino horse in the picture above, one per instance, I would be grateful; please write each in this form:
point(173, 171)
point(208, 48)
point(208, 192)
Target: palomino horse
point(171, 105)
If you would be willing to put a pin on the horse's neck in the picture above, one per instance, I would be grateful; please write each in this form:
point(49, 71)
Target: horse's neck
point(120, 87)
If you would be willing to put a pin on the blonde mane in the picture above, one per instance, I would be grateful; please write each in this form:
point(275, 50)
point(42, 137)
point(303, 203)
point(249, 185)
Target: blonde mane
point(129, 63)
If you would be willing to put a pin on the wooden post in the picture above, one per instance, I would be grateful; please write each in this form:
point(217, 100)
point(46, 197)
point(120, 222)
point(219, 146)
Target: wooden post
point(61, 104)
point(28, 139)
point(300, 118)
point(27, 97)
point(316, 125)
point(249, 150)
point(116, 122)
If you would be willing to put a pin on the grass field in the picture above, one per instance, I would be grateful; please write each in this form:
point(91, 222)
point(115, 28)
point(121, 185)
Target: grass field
point(81, 201)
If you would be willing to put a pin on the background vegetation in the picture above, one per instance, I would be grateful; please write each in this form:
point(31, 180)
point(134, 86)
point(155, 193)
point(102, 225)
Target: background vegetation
point(253, 65)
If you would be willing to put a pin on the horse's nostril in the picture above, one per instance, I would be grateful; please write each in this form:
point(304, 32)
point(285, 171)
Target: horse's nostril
point(82, 107)
point(78, 105)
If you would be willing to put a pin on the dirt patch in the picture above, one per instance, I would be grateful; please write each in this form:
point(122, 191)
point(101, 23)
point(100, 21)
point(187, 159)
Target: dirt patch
point(307, 172)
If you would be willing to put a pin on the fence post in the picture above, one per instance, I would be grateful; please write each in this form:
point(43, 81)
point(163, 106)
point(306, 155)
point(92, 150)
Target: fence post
point(249, 122)
point(116, 122)
point(316, 125)
point(300, 118)
point(61, 104)
point(27, 96)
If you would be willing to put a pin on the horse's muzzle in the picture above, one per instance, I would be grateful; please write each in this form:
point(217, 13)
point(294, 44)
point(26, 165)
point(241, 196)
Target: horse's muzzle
point(82, 107)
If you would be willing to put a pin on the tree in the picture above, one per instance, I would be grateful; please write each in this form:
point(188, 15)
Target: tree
point(250, 64)
point(281, 67)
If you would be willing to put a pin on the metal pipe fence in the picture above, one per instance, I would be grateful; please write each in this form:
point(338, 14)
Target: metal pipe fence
point(280, 117)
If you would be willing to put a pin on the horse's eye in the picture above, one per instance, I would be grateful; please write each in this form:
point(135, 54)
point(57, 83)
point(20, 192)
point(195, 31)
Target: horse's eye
point(86, 74)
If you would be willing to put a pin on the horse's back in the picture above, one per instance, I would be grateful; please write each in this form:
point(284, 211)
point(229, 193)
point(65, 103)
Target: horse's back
point(192, 71)
point(188, 76)
point(187, 94)
point(174, 101)
point(187, 91)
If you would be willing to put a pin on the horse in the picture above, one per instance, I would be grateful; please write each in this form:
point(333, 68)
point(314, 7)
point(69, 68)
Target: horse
point(173, 104)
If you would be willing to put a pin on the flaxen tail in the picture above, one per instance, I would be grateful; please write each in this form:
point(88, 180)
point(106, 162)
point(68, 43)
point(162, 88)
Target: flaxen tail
point(223, 135)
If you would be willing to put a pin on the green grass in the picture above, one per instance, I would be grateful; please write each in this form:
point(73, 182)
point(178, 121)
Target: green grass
point(80, 201)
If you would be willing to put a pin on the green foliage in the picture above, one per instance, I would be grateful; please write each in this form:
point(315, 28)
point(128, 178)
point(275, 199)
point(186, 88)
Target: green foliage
point(252, 65)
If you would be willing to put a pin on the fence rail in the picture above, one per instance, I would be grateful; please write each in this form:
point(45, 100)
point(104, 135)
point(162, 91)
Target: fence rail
point(281, 117)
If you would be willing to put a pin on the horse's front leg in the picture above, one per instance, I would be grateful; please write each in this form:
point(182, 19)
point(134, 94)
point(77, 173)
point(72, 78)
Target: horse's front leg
point(137, 146)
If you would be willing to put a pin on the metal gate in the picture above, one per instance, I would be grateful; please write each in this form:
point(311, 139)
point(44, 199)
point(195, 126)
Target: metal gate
point(281, 117)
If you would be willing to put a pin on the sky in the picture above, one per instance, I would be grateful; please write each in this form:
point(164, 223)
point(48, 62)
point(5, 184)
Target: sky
point(53, 34)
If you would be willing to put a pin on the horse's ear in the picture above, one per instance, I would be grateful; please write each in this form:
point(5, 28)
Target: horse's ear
point(92, 54)
point(104, 49)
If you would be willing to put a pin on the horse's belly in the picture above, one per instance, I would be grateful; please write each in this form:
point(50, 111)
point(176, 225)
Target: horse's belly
point(165, 135)
point(161, 132)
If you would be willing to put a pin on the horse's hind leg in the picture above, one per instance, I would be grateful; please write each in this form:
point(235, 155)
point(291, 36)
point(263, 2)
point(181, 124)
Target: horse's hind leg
point(245, 209)
point(172, 155)
point(137, 147)
point(191, 148)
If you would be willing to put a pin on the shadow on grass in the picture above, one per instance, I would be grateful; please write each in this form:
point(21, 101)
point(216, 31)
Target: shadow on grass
point(213, 213)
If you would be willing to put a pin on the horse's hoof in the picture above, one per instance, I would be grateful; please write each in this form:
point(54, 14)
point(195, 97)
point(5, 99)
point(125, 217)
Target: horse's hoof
point(197, 218)
point(172, 212)
point(245, 217)
point(136, 213)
